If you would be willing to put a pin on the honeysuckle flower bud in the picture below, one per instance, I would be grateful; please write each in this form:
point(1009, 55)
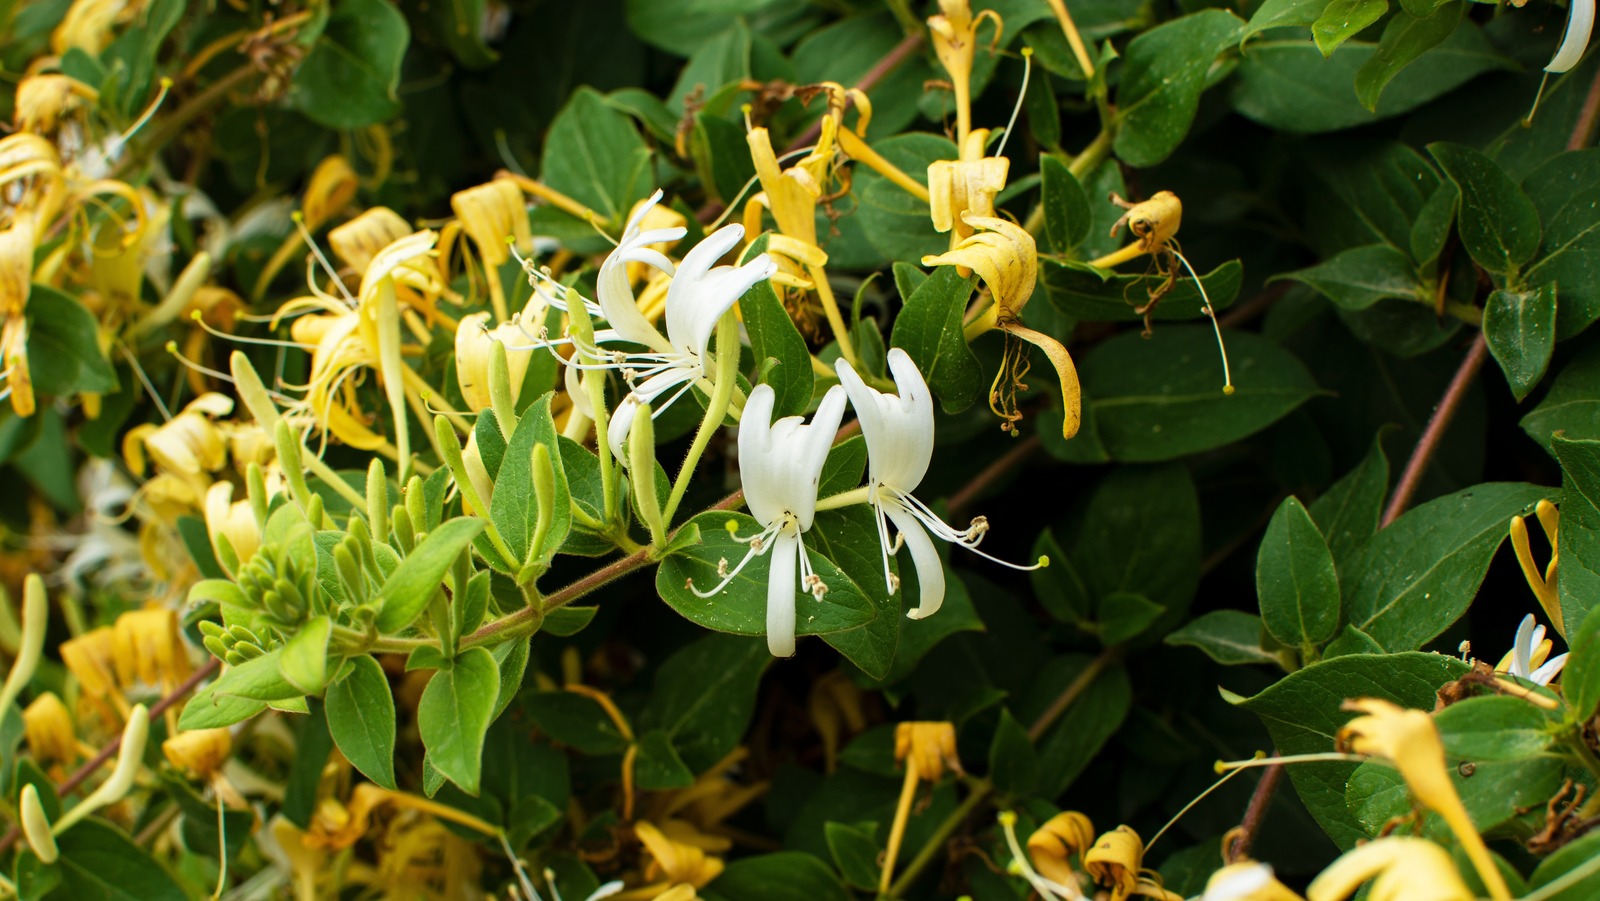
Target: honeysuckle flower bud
point(899, 435)
point(134, 737)
point(1527, 658)
point(36, 825)
point(333, 185)
point(1574, 38)
point(1402, 868)
point(35, 621)
point(199, 752)
point(780, 464)
point(232, 520)
point(474, 343)
point(49, 727)
point(1411, 741)
point(1247, 880)
point(1052, 846)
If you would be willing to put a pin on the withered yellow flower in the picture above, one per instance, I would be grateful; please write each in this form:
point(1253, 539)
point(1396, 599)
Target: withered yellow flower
point(927, 749)
point(1115, 861)
point(356, 242)
point(43, 100)
point(490, 214)
point(1052, 846)
point(1402, 868)
point(91, 659)
point(189, 445)
point(87, 25)
point(16, 283)
point(675, 861)
point(333, 185)
point(1411, 741)
point(146, 647)
point(967, 185)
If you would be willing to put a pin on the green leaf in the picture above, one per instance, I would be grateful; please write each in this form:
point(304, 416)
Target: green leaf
point(1013, 763)
point(928, 328)
point(575, 720)
point(1073, 742)
point(1499, 225)
point(361, 718)
point(1302, 713)
point(1164, 73)
point(1084, 292)
point(1405, 38)
point(209, 710)
point(1569, 257)
point(1161, 398)
point(1580, 679)
point(99, 863)
point(1573, 865)
point(1579, 538)
point(515, 505)
point(1418, 575)
point(304, 661)
point(849, 538)
point(1572, 405)
point(1348, 513)
point(705, 695)
point(1229, 637)
point(1282, 13)
point(1431, 229)
point(64, 355)
point(784, 876)
point(680, 26)
point(1123, 615)
point(350, 77)
point(1357, 278)
point(1066, 207)
point(1285, 84)
point(741, 607)
point(1141, 535)
point(773, 336)
point(1520, 329)
point(258, 680)
point(594, 155)
point(407, 592)
point(1493, 728)
point(855, 852)
point(453, 716)
point(658, 766)
point(1296, 580)
point(1343, 20)
point(1059, 587)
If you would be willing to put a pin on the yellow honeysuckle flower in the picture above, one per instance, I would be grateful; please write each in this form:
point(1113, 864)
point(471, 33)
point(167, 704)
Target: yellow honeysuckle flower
point(330, 393)
point(1052, 846)
point(1006, 257)
point(1543, 583)
point(674, 860)
point(146, 646)
point(927, 749)
point(475, 344)
point(714, 796)
point(1411, 741)
point(955, 41)
point(333, 185)
point(336, 826)
point(305, 862)
point(1402, 868)
point(49, 727)
point(189, 445)
point(43, 100)
point(1115, 861)
point(489, 214)
point(87, 25)
point(91, 659)
point(199, 752)
point(1247, 880)
point(968, 185)
point(356, 242)
point(16, 283)
point(233, 520)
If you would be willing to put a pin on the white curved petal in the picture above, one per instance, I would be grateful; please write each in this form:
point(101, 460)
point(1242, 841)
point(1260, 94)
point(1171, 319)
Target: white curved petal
point(814, 443)
point(1575, 38)
point(1522, 648)
point(692, 317)
point(1238, 883)
point(898, 429)
point(621, 424)
point(1550, 670)
point(781, 592)
point(930, 571)
point(780, 463)
point(756, 466)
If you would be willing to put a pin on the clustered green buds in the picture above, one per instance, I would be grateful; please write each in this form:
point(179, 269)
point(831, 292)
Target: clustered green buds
point(272, 582)
point(235, 644)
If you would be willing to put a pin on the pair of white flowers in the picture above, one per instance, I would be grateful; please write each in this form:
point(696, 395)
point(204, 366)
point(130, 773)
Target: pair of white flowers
point(780, 467)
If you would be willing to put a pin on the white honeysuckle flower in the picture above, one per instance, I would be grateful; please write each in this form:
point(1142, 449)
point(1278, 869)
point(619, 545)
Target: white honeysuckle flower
point(780, 467)
point(899, 435)
point(1528, 653)
point(1575, 38)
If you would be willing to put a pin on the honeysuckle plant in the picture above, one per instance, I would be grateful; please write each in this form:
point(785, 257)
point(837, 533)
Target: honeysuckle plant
point(440, 468)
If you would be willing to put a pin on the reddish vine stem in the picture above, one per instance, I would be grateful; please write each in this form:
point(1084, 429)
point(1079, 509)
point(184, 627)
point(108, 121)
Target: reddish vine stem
point(883, 67)
point(1428, 444)
point(1260, 800)
point(106, 753)
point(1583, 129)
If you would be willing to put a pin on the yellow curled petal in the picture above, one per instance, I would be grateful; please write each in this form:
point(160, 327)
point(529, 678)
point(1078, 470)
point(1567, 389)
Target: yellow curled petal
point(1052, 846)
point(1409, 869)
point(356, 242)
point(43, 100)
point(1115, 861)
point(333, 185)
point(49, 727)
point(490, 213)
point(199, 752)
point(1004, 255)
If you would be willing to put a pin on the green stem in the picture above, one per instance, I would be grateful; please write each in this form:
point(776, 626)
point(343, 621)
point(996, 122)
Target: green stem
point(173, 126)
point(721, 394)
point(845, 498)
point(903, 14)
